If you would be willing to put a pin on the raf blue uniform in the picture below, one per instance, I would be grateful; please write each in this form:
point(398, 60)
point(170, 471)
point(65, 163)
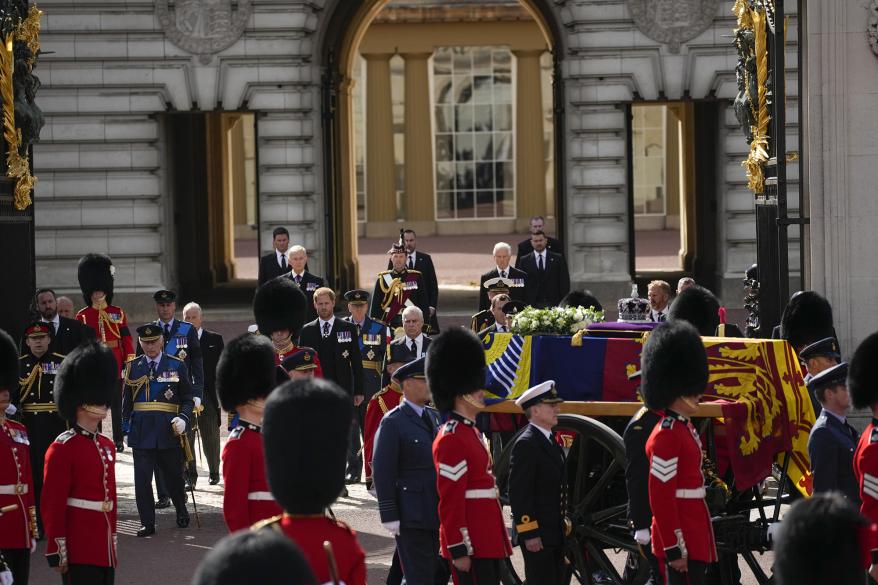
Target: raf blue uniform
point(405, 480)
point(151, 399)
point(831, 446)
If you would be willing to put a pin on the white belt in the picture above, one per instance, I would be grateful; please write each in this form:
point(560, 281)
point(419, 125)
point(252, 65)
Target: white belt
point(489, 494)
point(695, 494)
point(95, 505)
point(262, 496)
point(15, 489)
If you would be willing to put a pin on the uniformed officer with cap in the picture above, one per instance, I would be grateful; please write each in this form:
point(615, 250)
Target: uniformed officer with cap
point(382, 402)
point(820, 355)
point(157, 405)
point(833, 440)
point(485, 318)
point(405, 479)
point(398, 288)
point(302, 364)
point(35, 398)
point(538, 487)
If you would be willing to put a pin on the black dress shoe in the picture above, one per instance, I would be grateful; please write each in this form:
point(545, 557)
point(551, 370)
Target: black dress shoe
point(214, 479)
point(352, 479)
point(120, 446)
point(147, 530)
point(183, 519)
point(162, 503)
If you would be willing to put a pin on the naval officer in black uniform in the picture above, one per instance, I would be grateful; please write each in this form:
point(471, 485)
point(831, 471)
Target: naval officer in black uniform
point(538, 487)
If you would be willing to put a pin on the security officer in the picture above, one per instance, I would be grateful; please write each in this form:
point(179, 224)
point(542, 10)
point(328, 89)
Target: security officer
point(405, 478)
point(833, 440)
point(35, 398)
point(373, 339)
point(398, 288)
point(181, 341)
point(485, 318)
point(157, 405)
point(674, 376)
point(538, 487)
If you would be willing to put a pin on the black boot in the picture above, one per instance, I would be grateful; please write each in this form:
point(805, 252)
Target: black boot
point(146, 530)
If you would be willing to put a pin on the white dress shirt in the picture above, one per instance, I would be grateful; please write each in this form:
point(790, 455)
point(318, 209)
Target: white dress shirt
point(331, 322)
point(419, 340)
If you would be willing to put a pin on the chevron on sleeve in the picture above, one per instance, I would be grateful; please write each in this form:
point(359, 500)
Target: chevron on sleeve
point(870, 485)
point(453, 472)
point(663, 469)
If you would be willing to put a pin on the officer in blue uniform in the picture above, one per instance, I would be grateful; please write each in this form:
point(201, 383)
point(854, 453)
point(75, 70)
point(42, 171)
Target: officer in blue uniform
point(405, 478)
point(373, 337)
point(181, 341)
point(157, 403)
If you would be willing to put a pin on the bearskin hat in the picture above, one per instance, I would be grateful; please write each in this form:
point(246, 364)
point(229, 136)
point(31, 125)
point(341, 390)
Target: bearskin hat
point(246, 371)
point(95, 272)
point(455, 366)
point(699, 307)
point(8, 363)
point(861, 378)
point(806, 319)
point(581, 298)
point(88, 375)
point(261, 556)
point(279, 304)
point(825, 522)
point(673, 364)
point(305, 477)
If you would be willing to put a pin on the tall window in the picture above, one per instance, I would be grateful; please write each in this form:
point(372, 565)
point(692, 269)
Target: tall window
point(474, 116)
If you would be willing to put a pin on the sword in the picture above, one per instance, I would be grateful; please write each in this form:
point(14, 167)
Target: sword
point(187, 457)
point(196, 432)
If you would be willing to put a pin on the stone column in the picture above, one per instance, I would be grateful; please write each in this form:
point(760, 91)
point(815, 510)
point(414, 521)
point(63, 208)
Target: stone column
point(419, 185)
point(530, 164)
point(380, 188)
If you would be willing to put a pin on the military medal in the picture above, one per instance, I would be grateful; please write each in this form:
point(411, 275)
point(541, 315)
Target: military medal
point(169, 394)
point(182, 354)
point(371, 354)
point(345, 354)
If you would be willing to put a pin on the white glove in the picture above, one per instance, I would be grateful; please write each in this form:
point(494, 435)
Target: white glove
point(773, 529)
point(197, 402)
point(642, 536)
point(6, 577)
point(33, 545)
point(10, 411)
point(391, 527)
point(179, 425)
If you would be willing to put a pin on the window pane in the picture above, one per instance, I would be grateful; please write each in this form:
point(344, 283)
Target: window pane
point(444, 205)
point(484, 204)
point(442, 62)
point(463, 118)
point(464, 177)
point(444, 147)
point(444, 176)
point(484, 175)
point(482, 85)
point(503, 175)
point(505, 204)
point(463, 89)
point(502, 61)
point(462, 60)
point(502, 146)
point(444, 119)
point(465, 206)
point(503, 117)
point(482, 118)
point(482, 60)
point(442, 89)
point(503, 89)
point(484, 147)
point(463, 147)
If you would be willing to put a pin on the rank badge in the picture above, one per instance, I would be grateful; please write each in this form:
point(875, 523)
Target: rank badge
point(169, 394)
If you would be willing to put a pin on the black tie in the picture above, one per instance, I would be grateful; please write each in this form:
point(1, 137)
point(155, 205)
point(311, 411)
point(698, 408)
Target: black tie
point(540, 262)
point(152, 370)
point(411, 262)
point(167, 331)
point(426, 418)
point(326, 329)
point(298, 279)
point(661, 317)
point(414, 348)
point(502, 274)
point(283, 262)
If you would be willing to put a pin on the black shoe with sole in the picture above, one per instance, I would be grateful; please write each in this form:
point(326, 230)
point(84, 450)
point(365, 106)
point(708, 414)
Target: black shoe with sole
point(183, 519)
point(214, 479)
point(120, 446)
point(147, 530)
point(162, 503)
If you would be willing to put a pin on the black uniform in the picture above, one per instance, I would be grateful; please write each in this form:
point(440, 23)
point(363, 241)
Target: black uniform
point(516, 278)
point(308, 283)
point(35, 401)
point(637, 479)
point(538, 497)
point(209, 421)
point(69, 335)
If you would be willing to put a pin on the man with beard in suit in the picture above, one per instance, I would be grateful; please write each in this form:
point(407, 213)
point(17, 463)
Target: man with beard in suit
point(309, 283)
point(548, 279)
point(209, 421)
point(513, 276)
point(525, 247)
point(422, 262)
point(274, 263)
point(67, 334)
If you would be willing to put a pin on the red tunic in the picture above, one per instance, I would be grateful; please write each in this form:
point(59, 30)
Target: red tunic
point(680, 519)
point(247, 499)
point(866, 470)
point(78, 503)
point(309, 532)
point(470, 518)
point(111, 329)
point(19, 526)
point(380, 404)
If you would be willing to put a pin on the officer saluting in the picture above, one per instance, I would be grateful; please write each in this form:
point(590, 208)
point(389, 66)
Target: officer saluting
point(157, 405)
point(398, 288)
point(245, 376)
point(485, 318)
point(538, 487)
point(472, 534)
point(674, 372)
point(79, 495)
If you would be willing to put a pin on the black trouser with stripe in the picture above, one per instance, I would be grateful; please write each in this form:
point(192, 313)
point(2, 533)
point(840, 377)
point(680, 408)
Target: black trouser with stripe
point(87, 575)
point(145, 461)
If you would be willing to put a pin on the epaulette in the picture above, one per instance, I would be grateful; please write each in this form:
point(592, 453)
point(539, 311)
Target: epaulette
point(60, 355)
point(873, 438)
point(668, 422)
point(450, 426)
point(65, 436)
point(173, 357)
point(132, 358)
point(22, 356)
point(273, 523)
point(384, 272)
point(413, 271)
point(643, 410)
point(236, 433)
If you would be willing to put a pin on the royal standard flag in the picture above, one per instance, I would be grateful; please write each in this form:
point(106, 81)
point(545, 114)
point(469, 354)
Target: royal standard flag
point(508, 358)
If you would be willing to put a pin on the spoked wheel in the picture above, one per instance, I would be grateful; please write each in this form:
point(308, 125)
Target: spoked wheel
point(598, 507)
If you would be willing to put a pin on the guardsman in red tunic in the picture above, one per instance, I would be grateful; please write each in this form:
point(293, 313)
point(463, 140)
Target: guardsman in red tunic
point(864, 394)
point(245, 376)
point(674, 376)
point(472, 534)
point(18, 527)
point(398, 288)
point(109, 322)
point(79, 491)
point(305, 430)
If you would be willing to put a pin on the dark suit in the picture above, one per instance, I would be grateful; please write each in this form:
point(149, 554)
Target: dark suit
point(269, 267)
point(70, 334)
point(636, 479)
point(308, 283)
point(405, 479)
point(831, 446)
point(516, 291)
point(209, 421)
point(399, 350)
point(339, 353)
point(545, 288)
point(424, 263)
point(525, 248)
point(538, 497)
